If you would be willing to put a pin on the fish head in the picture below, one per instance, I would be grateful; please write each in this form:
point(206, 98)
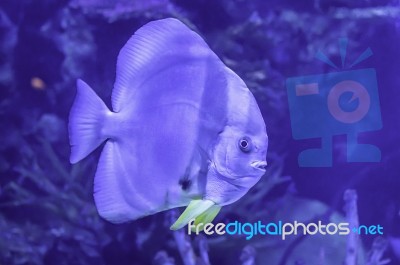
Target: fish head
point(239, 156)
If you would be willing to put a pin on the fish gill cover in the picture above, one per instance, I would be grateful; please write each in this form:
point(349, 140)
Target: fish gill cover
point(47, 209)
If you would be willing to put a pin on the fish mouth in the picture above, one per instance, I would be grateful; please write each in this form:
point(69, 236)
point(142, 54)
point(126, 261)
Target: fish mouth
point(260, 165)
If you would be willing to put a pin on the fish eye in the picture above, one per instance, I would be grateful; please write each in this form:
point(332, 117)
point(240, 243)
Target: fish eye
point(245, 144)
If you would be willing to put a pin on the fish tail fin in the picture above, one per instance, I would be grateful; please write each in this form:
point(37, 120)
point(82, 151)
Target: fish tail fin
point(86, 120)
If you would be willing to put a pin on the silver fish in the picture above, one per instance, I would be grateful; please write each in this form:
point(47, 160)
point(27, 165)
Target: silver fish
point(184, 129)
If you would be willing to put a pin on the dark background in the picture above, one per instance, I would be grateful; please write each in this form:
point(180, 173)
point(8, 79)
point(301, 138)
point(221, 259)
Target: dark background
point(47, 213)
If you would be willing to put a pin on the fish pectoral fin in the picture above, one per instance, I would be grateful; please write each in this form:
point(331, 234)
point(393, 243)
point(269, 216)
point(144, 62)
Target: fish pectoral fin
point(206, 217)
point(192, 211)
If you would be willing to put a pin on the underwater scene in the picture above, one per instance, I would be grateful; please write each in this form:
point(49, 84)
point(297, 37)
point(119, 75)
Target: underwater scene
point(225, 132)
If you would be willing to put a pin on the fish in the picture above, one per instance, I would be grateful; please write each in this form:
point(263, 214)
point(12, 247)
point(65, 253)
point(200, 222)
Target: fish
point(183, 130)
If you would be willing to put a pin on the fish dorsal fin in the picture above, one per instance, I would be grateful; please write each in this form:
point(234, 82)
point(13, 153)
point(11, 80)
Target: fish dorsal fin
point(153, 48)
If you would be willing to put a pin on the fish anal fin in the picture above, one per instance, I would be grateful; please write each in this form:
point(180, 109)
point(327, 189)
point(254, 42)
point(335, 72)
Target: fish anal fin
point(110, 202)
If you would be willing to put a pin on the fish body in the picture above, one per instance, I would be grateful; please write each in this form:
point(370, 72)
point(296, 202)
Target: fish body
point(184, 130)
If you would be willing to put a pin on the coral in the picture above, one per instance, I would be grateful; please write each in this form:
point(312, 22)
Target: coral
point(113, 10)
point(248, 256)
point(375, 255)
point(350, 198)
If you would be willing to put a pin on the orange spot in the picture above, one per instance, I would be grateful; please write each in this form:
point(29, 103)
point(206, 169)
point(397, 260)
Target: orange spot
point(38, 83)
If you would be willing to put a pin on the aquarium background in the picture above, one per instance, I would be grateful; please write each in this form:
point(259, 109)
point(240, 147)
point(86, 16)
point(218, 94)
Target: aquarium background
point(47, 212)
